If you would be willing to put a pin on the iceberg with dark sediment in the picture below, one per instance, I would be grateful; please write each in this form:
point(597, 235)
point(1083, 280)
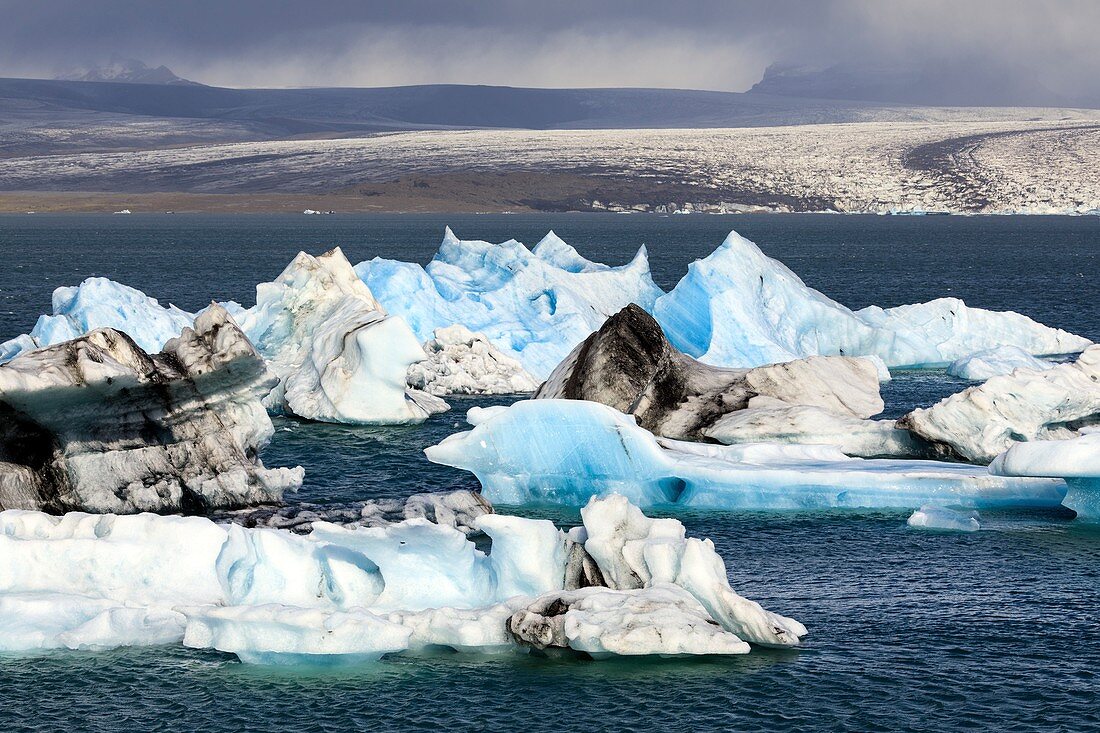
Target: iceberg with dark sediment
point(740, 308)
point(983, 421)
point(1077, 460)
point(562, 452)
point(619, 584)
point(628, 364)
point(533, 305)
point(98, 424)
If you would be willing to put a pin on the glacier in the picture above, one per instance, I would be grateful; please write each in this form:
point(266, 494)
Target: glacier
point(533, 305)
point(740, 308)
point(561, 452)
point(620, 583)
point(98, 424)
point(1077, 460)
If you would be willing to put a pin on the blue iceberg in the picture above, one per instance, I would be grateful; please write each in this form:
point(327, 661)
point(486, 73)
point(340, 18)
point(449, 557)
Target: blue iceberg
point(740, 308)
point(534, 305)
point(562, 452)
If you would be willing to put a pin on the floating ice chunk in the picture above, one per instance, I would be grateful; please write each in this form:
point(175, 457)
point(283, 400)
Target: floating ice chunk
point(532, 306)
point(809, 425)
point(338, 356)
point(985, 420)
point(1077, 460)
point(561, 452)
point(930, 516)
point(740, 308)
point(635, 551)
point(995, 362)
point(33, 621)
point(628, 364)
point(101, 303)
point(463, 362)
point(274, 634)
point(98, 424)
point(343, 594)
point(660, 620)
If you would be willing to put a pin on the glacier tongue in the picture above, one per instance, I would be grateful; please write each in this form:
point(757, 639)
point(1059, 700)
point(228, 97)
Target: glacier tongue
point(561, 452)
point(346, 594)
point(739, 308)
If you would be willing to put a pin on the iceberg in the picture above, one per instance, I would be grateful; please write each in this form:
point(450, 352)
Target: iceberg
point(463, 362)
point(809, 425)
point(739, 308)
point(533, 305)
point(101, 303)
point(343, 594)
point(338, 355)
point(97, 424)
point(1077, 460)
point(562, 452)
point(994, 362)
point(982, 421)
point(930, 516)
point(628, 364)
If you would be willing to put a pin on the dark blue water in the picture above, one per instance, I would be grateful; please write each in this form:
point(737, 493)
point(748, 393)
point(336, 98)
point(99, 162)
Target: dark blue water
point(996, 630)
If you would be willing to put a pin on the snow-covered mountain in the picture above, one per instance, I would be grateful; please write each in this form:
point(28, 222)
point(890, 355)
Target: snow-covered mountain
point(127, 71)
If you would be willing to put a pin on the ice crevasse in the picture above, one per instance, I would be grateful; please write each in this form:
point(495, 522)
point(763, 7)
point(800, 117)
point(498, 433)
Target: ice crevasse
point(587, 449)
point(620, 584)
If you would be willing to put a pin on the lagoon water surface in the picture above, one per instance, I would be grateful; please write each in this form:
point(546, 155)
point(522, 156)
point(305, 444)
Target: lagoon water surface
point(909, 630)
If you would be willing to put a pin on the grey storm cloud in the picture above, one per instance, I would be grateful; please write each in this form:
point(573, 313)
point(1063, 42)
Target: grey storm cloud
point(713, 44)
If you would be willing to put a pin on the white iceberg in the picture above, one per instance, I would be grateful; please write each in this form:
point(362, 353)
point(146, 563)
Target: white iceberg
point(338, 355)
point(562, 452)
point(982, 421)
point(463, 362)
point(533, 305)
point(931, 516)
point(994, 362)
point(347, 594)
point(740, 308)
point(1077, 460)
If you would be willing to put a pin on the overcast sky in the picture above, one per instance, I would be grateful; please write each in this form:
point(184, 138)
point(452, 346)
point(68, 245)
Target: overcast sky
point(706, 44)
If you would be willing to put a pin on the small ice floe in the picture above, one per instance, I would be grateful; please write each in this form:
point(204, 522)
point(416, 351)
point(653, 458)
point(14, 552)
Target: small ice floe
point(124, 211)
point(931, 516)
